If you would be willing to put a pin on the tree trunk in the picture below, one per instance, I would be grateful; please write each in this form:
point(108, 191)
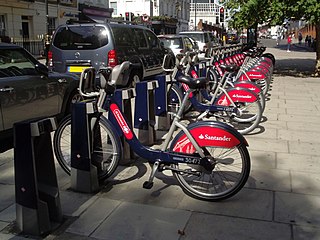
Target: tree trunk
point(317, 70)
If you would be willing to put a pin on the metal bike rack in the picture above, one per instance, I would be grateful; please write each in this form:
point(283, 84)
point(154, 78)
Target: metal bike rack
point(38, 208)
point(84, 176)
point(162, 120)
point(144, 116)
point(123, 98)
point(202, 72)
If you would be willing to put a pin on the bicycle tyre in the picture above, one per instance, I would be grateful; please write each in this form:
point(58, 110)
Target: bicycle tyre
point(262, 99)
point(228, 177)
point(175, 97)
point(62, 148)
point(244, 124)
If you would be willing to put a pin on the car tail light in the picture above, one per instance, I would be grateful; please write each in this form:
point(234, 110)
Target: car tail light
point(112, 58)
point(181, 51)
point(50, 63)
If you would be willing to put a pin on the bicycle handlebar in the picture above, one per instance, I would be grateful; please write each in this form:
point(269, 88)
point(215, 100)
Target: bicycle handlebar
point(86, 83)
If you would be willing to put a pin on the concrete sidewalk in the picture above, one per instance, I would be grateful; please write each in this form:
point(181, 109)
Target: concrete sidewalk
point(281, 199)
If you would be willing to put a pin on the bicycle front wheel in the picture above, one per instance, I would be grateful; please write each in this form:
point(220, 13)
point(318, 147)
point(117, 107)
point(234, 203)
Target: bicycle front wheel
point(231, 171)
point(249, 118)
point(106, 150)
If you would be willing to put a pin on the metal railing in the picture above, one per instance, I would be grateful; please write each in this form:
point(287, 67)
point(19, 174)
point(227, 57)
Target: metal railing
point(35, 47)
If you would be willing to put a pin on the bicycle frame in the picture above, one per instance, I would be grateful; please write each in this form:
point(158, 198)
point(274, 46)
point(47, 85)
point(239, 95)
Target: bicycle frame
point(198, 152)
point(163, 155)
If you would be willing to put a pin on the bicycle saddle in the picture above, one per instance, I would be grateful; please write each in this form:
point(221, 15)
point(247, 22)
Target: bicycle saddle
point(230, 68)
point(194, 83)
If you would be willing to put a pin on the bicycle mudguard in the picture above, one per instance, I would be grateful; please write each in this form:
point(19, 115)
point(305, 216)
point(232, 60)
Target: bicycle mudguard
point(252, 75)
point(236, 94)
point(207, 133)
point(248, 85)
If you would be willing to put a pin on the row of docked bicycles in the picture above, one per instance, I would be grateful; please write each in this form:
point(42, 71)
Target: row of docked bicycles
point(209, 158)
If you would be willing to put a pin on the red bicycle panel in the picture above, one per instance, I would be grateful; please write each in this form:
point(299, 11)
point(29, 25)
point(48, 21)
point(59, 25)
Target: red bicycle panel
point(237, 95)
point(121, 121)
point(206, 136)
point(248, 85)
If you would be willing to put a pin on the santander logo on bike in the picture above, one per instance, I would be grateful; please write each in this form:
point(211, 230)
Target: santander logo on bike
point(241, 96)
point(121, 121)
point(214, 138)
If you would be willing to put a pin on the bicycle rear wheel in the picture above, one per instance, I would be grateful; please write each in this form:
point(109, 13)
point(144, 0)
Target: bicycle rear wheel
point(231, 171)
point(106, 152)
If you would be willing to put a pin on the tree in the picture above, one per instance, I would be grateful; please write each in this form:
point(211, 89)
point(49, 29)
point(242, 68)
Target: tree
point(246, 14)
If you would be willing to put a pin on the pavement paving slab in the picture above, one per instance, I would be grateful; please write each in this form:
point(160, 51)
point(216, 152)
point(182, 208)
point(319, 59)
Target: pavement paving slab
point(248, 203)
point(303, 233)
point(7, 196)
point(8, 214)
point(297, 162)
point(309, 136)
point(307, 183)
point(262, 160)
point(300, 209)
point(138, 221)
point(203, 227)
point(304, 148)
point(264, 144)
point(274, 180)
point(93, 217)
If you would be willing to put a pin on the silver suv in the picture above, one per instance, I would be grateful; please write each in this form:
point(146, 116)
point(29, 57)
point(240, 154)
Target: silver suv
point(76, 46)
point(205, 41)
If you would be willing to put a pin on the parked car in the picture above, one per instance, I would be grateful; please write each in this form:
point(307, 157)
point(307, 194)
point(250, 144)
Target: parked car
point(177, 43)
point(203, 39)
point(28, 90)
point(76, 46)
point(232, 38)
point(214, 40)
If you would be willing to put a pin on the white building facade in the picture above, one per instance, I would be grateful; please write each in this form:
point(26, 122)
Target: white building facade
point(175, 9)
point(28, 19)
point(207, 12)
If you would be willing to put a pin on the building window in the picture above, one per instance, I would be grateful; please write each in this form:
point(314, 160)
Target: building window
point(114, 6)
point(2, 26)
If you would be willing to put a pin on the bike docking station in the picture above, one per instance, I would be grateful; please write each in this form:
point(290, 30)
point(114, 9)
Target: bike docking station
point(145, 107)
point(38, 207)
point(144, 111)
point(84, 175)
point(162, 119)
point(202, 68)
point(123, 98)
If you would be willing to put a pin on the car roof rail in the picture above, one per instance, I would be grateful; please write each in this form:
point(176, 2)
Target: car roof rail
point(112, 20)
point(73, 21)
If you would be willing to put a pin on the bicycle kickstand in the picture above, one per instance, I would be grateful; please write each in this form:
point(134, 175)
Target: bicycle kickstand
point(149, 184)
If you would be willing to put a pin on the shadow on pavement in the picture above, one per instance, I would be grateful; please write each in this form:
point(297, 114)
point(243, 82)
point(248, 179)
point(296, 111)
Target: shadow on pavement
point(295, 67)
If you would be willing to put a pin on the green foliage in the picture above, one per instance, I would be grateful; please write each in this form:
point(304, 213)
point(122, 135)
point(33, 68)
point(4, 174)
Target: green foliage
point(249, 13)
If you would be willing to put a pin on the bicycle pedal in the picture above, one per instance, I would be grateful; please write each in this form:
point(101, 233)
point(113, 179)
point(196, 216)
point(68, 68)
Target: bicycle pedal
point(147, 185)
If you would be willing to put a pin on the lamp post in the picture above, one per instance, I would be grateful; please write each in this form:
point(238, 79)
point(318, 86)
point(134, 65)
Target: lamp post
point(195, 14)
point(47, 16)
point(47, 37)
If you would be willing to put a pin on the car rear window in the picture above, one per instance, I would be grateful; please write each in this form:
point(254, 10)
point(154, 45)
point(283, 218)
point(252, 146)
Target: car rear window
point(195, 36)
point(173, 43)
point(80, 37)
point(124, 36)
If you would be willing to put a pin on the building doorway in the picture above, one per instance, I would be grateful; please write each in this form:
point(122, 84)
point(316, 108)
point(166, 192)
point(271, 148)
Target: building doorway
point(25, 32)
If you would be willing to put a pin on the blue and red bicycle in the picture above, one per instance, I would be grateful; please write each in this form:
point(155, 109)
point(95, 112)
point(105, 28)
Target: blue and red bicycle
point(209, 159)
